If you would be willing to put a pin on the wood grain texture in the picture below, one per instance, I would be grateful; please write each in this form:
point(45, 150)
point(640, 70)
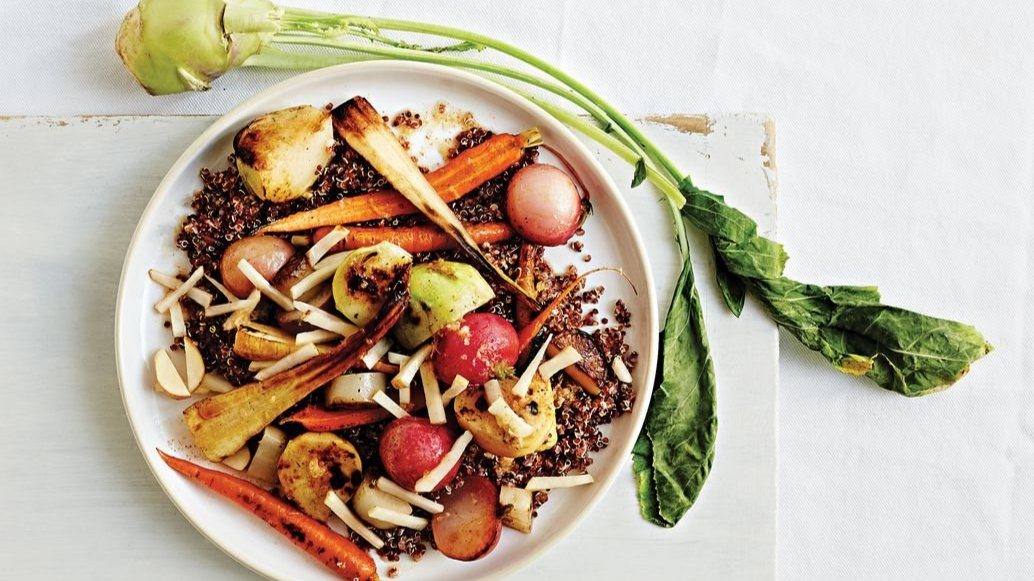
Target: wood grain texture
point(76, 188)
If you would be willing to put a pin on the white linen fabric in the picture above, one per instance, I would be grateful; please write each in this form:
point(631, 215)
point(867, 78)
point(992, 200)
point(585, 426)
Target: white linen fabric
point(905, 158)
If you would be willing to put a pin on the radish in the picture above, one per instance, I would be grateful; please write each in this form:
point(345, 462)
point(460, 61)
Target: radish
point(470, 526)
point(268, 254)
point(411, 447)
point(544, 205)
point(475, 348)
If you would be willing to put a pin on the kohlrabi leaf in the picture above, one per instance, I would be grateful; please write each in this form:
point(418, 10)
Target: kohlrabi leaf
point(675, 449)
point(732, 286)
point(902, 351)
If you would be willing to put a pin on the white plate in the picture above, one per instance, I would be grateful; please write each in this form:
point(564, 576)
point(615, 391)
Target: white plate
point(611, 238)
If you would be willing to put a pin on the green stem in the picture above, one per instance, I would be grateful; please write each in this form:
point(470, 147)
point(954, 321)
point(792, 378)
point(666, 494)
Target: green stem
point(544, 66)
point(392, 52)
point(271, 57)
point(661, 181)
point(337, 25)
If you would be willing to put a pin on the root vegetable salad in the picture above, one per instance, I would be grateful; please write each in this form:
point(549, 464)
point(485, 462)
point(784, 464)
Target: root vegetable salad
point(369, 342)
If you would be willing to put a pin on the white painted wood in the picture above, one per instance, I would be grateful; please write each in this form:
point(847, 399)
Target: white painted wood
point(80, 502)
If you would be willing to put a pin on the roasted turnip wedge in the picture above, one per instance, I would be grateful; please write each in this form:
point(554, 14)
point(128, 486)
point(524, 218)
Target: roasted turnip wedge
point(359, 124)
point(262, 345)
point(312, 465)
point(535, 408)
point(279, 153)
point(470, 526)
point(222, 424)
point(441, 292)
point(362, 278)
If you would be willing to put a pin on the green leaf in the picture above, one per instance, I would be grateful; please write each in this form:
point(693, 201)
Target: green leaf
point(646, 491)
point(732, 287)
point(640, 172)
point(756, 257)
point(900, 350)
point(675, 450)
point(713, 216)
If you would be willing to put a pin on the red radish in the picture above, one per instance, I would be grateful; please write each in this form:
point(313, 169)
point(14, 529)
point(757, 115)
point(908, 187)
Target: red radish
point(267, 254)
point(411, 447)
point(475, 347)
point(470, 526)
point(543, 204)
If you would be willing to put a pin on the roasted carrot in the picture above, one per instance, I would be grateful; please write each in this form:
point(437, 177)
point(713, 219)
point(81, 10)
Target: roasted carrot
point(426, 238)
point(526, 278)
point(576, 374)
point(337, 553)
point(318, 419)
point(457, 178)
point(382, 367)
point(526, 334)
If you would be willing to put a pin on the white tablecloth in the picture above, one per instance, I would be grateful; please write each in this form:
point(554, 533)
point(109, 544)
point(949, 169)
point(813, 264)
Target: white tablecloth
point(905, 159)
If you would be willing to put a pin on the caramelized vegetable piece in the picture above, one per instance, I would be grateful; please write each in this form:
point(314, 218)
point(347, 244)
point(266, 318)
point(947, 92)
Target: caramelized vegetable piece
point(258, 346)
point(593, 362)
point(293, 270)
point(222, 424)
point(318, 419)
point(527, 333)
point(518, 509)
point(535, 408)
point(526, 278)
point(279, 153)
point(314, 464)
point(576, 374)
point(441, 292)
point(363, 277)
point(268, 254)
point(458, 177)
point(427, 238)
point(470, 527)
point(358, 123)
point(337, 553)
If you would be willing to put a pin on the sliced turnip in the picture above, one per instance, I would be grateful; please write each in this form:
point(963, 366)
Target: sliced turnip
point(517, 508)
point(239, 461)
point(167, 378)
point(355, 389)
point(195, 364)
point(368, 497)
point(263, 464)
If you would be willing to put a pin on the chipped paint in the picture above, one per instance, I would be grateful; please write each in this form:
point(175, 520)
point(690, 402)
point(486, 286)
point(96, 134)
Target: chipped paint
point(684, 123)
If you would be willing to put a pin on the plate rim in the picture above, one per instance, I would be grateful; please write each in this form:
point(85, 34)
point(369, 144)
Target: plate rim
point(623, 450)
